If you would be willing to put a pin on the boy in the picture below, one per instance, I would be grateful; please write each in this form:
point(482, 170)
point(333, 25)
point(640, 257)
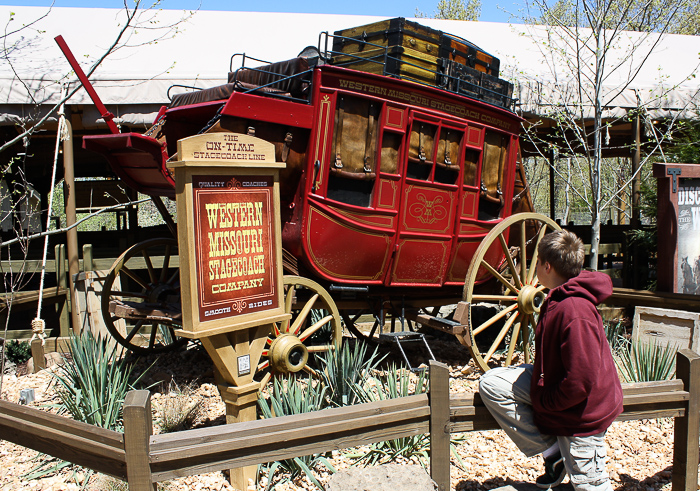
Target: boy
point(563, 404)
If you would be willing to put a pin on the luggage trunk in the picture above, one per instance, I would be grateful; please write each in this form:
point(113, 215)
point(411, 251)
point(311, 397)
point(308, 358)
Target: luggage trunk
point(459, 50)
point(477, 84)
point(394, 47)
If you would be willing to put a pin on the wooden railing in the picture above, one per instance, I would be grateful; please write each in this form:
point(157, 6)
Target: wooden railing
point(142, 459)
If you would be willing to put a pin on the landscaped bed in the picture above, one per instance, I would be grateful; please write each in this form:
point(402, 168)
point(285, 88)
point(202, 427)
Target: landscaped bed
point(640, 452)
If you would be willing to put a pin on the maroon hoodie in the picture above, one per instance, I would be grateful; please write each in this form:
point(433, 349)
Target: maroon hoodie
point(575, 389)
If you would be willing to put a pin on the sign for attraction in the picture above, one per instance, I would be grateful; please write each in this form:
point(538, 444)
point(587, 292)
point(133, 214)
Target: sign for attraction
point(230, 248)
point(678, 226)
point(688, 273)
point(234, 237)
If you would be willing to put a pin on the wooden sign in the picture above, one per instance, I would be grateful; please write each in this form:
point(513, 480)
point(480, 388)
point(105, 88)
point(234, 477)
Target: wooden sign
point(227, 189)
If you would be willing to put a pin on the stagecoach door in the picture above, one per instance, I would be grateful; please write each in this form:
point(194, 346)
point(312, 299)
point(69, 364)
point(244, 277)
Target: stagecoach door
point(429, 201)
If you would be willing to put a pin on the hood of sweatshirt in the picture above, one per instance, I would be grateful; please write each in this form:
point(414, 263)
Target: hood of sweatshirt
point(593, 286)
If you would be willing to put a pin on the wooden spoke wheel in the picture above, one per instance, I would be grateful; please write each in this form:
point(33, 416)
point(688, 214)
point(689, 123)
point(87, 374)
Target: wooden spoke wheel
point(314, 327)
point(141, 297)
point(505, 264)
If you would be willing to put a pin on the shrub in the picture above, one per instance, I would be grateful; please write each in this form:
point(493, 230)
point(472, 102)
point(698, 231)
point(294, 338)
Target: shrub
point(181, 408)
point(91, 387)
point(391, 384)
point(18, 352)
point(615, 333)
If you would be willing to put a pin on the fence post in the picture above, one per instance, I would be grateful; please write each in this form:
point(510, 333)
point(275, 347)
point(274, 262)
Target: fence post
point(686, 429)
point(440, 425)
point(38, 355)
point(138, 427)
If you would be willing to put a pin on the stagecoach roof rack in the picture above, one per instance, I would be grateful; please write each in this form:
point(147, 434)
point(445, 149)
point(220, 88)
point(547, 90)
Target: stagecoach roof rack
point(289, 80)
point(449, 76)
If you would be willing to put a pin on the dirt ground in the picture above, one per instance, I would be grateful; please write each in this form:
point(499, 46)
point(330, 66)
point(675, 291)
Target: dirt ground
point(639, 452)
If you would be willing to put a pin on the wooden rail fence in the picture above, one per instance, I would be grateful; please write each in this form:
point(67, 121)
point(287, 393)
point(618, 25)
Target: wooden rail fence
point(143, 459)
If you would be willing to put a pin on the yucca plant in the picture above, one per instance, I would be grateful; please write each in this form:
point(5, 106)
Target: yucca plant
point(615, 333)
point(646, 361)
point(290, 395)
point(92, 387)
point(344, 368)
point(395, 382)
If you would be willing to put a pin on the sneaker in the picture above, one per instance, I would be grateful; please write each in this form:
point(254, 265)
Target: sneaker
point(554, 472)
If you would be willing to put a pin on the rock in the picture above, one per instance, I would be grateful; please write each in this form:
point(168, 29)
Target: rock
point(389, 477)
point(10, 367)
point(50, 359)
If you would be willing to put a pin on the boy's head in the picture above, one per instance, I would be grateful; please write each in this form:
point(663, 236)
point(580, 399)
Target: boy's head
point(563, 250)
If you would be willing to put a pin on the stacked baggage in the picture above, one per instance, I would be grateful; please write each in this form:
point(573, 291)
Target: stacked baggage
point(404, 49)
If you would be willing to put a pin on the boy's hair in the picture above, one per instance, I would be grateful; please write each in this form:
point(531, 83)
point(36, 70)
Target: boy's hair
point(564, 251)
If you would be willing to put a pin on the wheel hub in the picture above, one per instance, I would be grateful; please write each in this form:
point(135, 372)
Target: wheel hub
point(530, 299)
point(288, 354)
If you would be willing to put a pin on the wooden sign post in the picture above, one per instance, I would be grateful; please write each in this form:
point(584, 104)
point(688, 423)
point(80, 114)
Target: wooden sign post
point(678, 227)
point(229, 238)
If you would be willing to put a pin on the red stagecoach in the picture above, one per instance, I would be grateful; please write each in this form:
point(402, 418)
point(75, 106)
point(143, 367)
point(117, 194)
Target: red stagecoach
point(402, 193)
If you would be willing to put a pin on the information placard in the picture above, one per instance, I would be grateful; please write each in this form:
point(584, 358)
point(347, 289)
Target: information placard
point(229, 233)
point(234, 236)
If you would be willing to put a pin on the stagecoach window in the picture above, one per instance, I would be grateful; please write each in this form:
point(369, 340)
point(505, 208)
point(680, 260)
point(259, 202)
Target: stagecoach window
point(492, 169)
point(356, 192)
point(471, 162)
point(421, 151)
point(354, 151)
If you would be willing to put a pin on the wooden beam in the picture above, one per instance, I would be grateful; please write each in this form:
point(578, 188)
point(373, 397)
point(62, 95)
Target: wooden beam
point(684, 476)
point(83, 444)
point(440, 425)
point(138, 428)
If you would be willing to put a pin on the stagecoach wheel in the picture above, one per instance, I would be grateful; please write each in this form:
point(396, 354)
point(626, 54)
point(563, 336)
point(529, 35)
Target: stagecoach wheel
point(145, 292)
point(314, 327)
point(507, 259)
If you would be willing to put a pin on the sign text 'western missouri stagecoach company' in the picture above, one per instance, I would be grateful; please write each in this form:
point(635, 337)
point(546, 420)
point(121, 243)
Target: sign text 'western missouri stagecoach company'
point(234, 238)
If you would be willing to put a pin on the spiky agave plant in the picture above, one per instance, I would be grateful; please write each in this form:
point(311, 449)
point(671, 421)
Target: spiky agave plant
point(290, 395)
point(93, 385)
point(646, 361)
point(91, 388)
point(345, 368)
point(395, 382)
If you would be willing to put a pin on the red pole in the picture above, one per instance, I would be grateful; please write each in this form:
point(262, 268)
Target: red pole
point(108, 116)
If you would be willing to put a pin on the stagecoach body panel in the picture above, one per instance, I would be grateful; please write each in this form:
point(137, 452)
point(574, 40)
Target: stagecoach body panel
point(399, 190)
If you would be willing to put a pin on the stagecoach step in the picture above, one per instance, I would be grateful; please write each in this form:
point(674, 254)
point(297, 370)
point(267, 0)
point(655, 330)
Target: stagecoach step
point(406, 337)
point(440, 323)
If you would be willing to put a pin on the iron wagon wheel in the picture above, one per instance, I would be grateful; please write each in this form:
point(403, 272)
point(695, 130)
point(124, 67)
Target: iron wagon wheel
point(144, 291)
point(513, 309)
point(314, 328)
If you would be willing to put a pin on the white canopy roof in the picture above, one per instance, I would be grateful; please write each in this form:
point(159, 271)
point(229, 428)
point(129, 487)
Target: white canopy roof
point(133, 82)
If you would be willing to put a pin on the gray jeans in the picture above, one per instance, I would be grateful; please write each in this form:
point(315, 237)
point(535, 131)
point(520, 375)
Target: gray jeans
point(506, 393)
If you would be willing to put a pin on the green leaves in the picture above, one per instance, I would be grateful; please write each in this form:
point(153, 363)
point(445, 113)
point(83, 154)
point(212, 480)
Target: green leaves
point(92, 386)
point(345, 368)
point(646, 361)
point(291, 395)
point(18, 351)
